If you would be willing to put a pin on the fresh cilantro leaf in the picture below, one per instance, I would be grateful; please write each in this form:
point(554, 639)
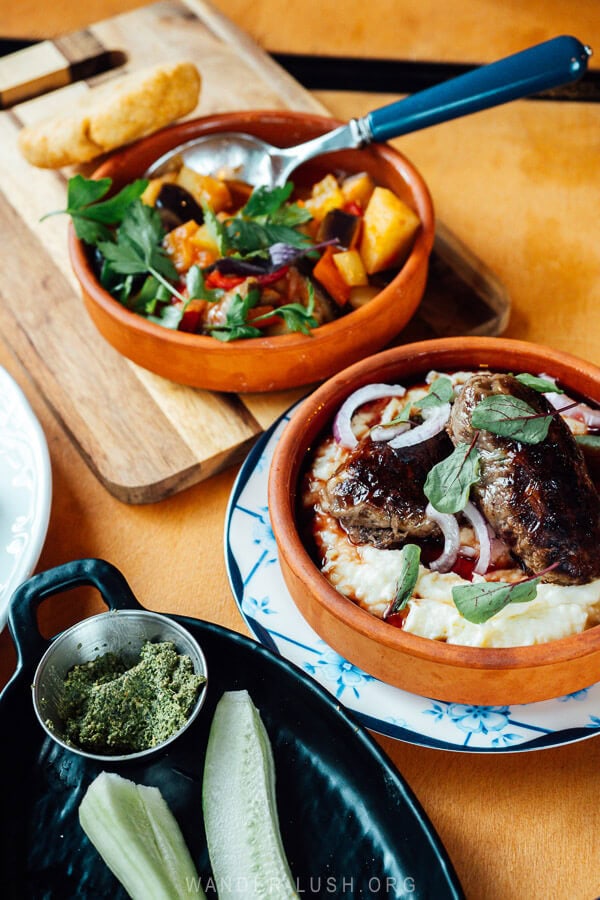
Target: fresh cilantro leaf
point(138, 249)
point(90, 232)
point(150, 295)
point(216, 229)
point(123, 258)
point(511, 417)
point(409, 573)
point(448, 483)
point(236, 322)
point(539, 384)
point(479, 602)
point(169, 317)
point(281, 234)
point(142, 228)
point(197, 289)
point(83, 191)
point(246, 237)
point(91, 216)
point(250, 237)
point(441, 391)
point(112, 211)
point(264, 201)
point(291, 215)
point(296, 317)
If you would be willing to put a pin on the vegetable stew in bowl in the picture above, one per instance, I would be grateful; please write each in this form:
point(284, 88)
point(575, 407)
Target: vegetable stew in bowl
point(211, 283)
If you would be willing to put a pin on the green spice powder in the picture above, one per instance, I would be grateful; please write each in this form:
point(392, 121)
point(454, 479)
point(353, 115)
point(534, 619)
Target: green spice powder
point(109, 708)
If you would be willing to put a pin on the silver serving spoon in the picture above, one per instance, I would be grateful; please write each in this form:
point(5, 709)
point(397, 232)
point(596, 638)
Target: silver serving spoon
point(558, 61)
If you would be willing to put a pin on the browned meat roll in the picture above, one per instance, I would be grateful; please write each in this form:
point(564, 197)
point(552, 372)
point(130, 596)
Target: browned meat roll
point(539, 498)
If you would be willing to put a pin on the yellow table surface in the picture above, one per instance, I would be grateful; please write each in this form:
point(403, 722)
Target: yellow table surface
point(520, 184)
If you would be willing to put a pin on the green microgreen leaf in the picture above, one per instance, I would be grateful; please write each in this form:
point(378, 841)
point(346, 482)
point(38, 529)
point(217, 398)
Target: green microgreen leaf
point(407, 578)
point(479, 602)
point(588, 440)
point(542, 385)
point(441, 391)
point(508, 416)
point(448, 483)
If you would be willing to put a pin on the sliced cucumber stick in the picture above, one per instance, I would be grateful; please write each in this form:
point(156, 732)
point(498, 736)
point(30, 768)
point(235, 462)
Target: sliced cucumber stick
point(137, 836)
point(240, 812)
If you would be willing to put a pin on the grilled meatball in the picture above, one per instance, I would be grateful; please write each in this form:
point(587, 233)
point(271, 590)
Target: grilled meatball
point(538, 498)
point(377, 493)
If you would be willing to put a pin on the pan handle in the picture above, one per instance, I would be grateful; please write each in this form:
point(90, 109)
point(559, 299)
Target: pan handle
point(98, 573)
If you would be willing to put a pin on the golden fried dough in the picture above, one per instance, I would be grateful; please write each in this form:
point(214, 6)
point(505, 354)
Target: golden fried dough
point(112, 115)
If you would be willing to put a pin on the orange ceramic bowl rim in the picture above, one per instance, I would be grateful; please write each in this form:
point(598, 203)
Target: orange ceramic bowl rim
point(315, 415)
point(113, 319)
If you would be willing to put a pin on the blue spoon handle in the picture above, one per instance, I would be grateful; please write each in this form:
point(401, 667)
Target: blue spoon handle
point(555, 62)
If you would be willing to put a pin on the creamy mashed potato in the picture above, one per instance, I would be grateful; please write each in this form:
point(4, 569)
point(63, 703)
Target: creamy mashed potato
point(368, 575)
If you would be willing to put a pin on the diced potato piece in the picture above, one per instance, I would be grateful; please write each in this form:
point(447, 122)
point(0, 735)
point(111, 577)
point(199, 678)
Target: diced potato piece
point(154, 185)
point(179, 246)
point(360, 296)
point(351, 268)
point(204, 239)
point(358, 188)
point(205, 188)
point(326, 194)
point(389, 227)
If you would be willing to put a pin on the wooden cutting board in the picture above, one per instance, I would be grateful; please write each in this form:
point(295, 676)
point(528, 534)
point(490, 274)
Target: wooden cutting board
point(146, 438)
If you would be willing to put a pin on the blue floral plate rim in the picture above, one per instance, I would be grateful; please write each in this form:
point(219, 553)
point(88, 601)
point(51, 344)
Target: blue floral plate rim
point(462, 728)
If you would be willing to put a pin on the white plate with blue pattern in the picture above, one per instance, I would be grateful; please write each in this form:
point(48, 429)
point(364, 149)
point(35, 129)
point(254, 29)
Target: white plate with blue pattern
point(25, 490)
point(273, 618)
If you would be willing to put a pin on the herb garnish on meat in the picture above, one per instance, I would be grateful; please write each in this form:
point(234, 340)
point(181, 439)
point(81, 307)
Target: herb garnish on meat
point(448, 484)
point(409, 572)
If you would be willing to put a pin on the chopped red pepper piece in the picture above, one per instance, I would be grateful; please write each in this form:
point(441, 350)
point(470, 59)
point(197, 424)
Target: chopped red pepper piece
point(272, 277)
point(216, 279)
point(352, 207)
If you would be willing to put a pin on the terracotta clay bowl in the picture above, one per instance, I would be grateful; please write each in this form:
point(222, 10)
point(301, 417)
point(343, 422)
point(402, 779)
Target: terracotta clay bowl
point(268, 363)
point(427, 667)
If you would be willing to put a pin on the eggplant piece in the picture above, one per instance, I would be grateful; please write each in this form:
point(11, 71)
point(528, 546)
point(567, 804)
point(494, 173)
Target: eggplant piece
point(176, 206)
point(326, 309)
point(341, 226)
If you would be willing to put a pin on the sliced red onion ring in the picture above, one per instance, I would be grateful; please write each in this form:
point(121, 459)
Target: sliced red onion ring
point(483, 537)
point(451, 532)
point(434, 420)
point(342, 424)
point(582, 412)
